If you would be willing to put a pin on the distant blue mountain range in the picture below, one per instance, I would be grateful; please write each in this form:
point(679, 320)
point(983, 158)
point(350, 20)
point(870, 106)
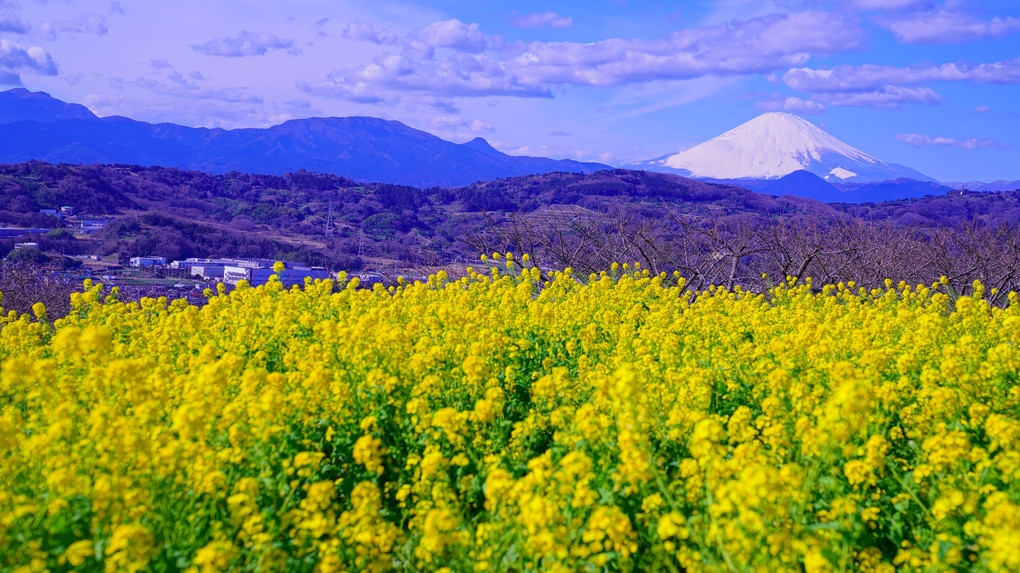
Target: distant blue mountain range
point(803, 183)
point(34, 125)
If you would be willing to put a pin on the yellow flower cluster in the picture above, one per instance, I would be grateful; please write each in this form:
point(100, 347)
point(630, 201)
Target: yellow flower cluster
point(503, 422)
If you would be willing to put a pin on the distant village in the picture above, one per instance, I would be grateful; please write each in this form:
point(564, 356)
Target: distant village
point(81, 223)
point(229, 271)
point(255, 271)
point(232, 271)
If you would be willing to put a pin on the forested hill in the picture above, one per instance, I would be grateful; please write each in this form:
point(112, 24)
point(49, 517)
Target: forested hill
point(326, 219)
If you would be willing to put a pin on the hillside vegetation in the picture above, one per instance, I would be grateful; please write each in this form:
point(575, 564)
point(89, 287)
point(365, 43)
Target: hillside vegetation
point(711, 233)
point(177, 213)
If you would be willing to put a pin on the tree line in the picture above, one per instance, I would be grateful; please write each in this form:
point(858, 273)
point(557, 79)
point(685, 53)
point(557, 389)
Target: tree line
point(755, 250)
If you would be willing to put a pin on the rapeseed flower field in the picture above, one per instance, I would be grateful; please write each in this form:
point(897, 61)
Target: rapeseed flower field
point(504, 423)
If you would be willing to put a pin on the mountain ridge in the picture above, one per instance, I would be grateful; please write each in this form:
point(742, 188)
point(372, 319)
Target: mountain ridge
point(1000, 185)
point(359, 147)
point(805, 184)
point(19, 104)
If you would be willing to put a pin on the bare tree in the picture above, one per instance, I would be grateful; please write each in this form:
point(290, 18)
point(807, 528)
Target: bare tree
point(25, 284)
point(737, 249)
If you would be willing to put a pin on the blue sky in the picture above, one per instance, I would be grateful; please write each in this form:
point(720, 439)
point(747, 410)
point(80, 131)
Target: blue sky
point(932, 84)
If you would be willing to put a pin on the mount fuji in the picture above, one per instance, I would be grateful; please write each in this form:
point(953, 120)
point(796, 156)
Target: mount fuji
point(776, 144)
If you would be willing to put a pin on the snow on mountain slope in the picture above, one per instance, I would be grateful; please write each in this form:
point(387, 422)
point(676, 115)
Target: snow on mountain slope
point(775, 144)
point(841, 173)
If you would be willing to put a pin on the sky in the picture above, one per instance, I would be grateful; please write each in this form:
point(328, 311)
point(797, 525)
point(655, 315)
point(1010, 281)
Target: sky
point(931, 84)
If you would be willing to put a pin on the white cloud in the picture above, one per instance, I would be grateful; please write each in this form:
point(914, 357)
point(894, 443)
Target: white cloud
point(10, 20)
point(105, 104)
point(193, 87)
point(738, 48)
point(456, 128)
point(17, 58)
point(340, 87)
point(948, 27)
point(889, 97)
point(245, 44)
point(453, 122)
point(89, 24)
point(479, 126)
point(366, 32)
point(918, 140)
point(447, 121)
point(485, 65)
point(556, 152)
point(542, 19)
point(791, 104)
point(460, 75)
point(883, 97)
point(869, 76)
point(185, 90)
point(159, 108)
point(422, 43)
point(453, 34)
point(886, 5)
point(320, 27)
point(723, 11)
point(13, 23)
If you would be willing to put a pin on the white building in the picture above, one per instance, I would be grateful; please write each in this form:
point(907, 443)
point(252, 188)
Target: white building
point(92, 224)
point(208, 271)
point(292, 275)
point(148, 261)
point(222, 262)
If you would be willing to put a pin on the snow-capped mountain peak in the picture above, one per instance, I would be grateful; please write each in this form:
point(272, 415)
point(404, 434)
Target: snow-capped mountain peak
point(775, 144)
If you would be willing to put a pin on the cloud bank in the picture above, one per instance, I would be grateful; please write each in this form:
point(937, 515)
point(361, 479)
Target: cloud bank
point(366, 32)
point(870, 85)
point(542, 20)
point(918, 140)
point(88, 24)
point(15, 58)
point(14, 24)
point(245, 44)
point(454, 59)
point(870, 76)
point(778, 102)
point(948, 27)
